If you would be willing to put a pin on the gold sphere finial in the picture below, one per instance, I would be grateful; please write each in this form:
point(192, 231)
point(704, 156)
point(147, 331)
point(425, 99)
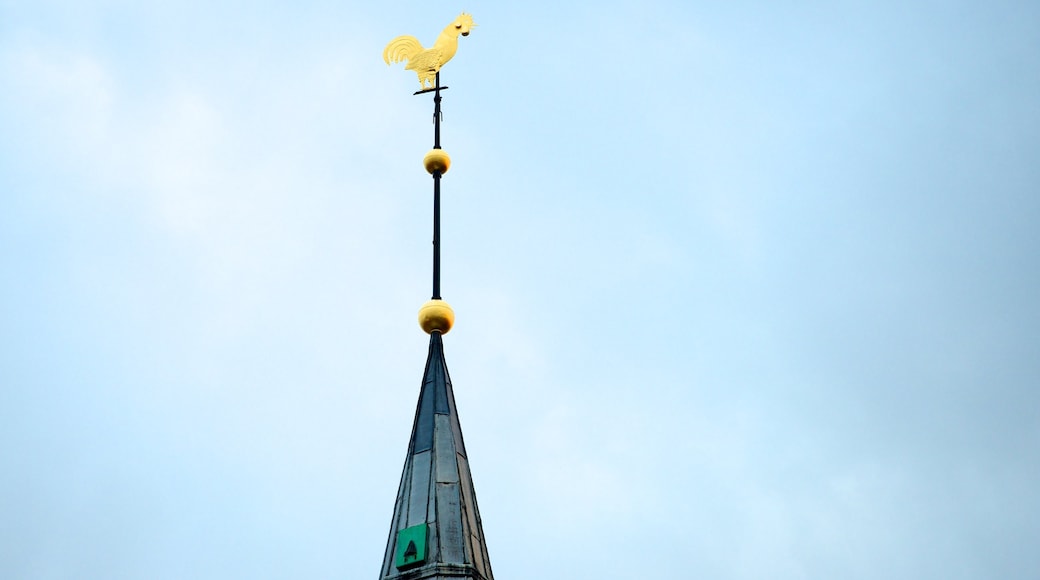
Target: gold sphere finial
point(436, 316)
point(437, 161)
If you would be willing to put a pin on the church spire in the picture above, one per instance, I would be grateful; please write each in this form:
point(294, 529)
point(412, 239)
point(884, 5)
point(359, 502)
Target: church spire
point(435, 532)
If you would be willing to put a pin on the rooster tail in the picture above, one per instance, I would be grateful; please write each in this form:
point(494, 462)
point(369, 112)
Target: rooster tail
point(401, 48)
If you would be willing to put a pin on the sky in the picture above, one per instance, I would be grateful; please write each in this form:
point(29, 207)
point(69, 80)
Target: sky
point(743, 290)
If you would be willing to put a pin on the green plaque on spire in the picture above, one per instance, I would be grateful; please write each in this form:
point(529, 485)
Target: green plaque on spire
point(411, 546)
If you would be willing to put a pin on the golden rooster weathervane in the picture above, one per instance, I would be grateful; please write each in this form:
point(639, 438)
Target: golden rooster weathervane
point(435, 315)
point(428, 62)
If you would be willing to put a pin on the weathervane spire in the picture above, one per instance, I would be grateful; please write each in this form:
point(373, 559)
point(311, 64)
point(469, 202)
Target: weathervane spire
point(435, 315)
point(436, 532)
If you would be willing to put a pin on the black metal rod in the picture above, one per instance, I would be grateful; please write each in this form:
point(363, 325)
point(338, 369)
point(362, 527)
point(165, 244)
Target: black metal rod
point(437, 192)
point(436, 235)
point(437, 112)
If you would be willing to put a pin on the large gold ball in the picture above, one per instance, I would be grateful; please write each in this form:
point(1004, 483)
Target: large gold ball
point(436, 316)
point(437, 161)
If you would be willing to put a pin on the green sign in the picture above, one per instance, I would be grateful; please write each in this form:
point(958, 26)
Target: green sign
point(411, 546)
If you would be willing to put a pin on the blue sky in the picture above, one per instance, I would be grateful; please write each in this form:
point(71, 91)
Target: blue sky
point(743, 290)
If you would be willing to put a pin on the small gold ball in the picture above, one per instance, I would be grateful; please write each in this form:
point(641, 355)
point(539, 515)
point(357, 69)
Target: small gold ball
point(437, 161)
point(436, 316)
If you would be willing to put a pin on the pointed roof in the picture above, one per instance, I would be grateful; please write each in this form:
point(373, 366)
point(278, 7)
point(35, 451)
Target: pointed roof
point(436, 532)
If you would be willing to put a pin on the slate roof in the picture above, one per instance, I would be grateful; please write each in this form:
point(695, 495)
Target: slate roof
point(436, 513)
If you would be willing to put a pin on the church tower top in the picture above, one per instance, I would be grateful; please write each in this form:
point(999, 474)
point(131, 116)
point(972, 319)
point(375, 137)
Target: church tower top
point(436, 532)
